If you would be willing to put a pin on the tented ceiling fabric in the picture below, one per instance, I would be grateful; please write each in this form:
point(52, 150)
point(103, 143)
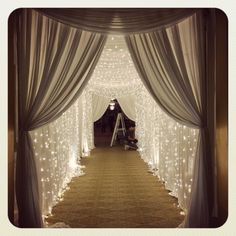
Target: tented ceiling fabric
point(115, 74)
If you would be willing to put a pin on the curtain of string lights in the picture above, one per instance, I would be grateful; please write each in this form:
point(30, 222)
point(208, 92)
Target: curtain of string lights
point(166, 146)
point(57, 152)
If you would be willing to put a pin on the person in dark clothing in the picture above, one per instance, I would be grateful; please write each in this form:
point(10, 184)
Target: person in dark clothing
point(131, 141)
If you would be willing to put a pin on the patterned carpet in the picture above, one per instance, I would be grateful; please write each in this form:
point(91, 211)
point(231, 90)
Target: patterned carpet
point(117, 191)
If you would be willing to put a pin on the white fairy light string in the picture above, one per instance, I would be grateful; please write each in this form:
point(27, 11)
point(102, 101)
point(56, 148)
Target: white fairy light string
point(166, 146)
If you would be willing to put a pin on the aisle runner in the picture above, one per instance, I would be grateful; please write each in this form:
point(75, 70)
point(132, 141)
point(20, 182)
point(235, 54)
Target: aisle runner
point(117, 191)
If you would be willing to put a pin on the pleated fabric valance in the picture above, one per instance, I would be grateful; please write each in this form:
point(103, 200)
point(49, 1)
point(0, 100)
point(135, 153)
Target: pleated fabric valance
point(118, 20)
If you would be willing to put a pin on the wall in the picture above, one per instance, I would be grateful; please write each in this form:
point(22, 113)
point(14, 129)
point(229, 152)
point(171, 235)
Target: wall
point(222, 114)
point(11, 120)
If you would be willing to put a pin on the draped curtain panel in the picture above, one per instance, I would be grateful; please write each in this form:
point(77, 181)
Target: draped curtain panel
point(99, 106)
point(127, 104)
point(54, 64)
point(171, 63)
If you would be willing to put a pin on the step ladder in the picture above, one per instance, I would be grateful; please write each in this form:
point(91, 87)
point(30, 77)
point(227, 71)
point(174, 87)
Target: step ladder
point(119, 120)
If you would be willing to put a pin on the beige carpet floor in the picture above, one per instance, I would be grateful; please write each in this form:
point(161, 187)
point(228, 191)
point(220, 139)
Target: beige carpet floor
point(117, 191)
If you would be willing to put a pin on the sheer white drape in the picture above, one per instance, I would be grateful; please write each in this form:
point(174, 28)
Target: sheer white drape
point(99, 106)
point(127, 104)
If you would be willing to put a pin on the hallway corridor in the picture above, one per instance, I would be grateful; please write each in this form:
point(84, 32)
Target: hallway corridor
point(116, 192)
